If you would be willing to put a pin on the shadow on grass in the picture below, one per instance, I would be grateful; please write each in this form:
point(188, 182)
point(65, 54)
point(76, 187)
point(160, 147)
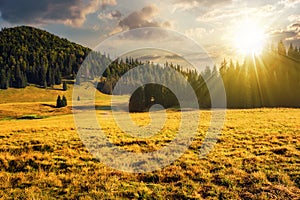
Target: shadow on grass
point(31, 117)
point(105, 108)
point(49, 105)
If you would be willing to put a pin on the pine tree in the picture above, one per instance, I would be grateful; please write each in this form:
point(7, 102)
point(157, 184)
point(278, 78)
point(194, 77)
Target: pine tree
point(3, 80)
point(64, 101)
point(65, 87)
point(45, 84)
point(58, 102)
point(50, 77)
point(281, 49)
point(291, 51)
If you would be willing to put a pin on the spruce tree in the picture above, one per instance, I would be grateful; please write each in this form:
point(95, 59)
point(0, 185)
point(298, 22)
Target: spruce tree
point(65, 87)
point(281, 49)
point(45, 84)
point(58, 102)
point(3, 80)
point(64, 101)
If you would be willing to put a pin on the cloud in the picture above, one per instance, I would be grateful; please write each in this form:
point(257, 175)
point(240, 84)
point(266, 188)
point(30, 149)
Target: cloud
point(140, 19)
point(293, 18)
point(290, 34)
point(115, 14)
point(105, 3)
point(289, 3)
point(199, 33)
point(234, 12)
point(69, 12)
point(183, 5)
point(294, 27)
point(150, 57)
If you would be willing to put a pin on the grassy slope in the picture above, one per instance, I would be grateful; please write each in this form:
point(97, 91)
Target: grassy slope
point(257, 157)
point(35, 94)
point(16, 103)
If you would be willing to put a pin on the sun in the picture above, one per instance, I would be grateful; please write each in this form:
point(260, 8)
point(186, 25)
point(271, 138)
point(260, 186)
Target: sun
point(249, 37)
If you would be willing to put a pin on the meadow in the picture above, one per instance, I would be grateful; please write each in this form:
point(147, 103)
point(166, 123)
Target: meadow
point(42, 157)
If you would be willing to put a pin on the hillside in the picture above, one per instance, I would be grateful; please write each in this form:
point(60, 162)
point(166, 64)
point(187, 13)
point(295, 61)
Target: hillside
point(31, 55)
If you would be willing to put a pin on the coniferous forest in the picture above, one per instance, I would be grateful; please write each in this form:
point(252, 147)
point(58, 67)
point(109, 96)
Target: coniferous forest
point(33, 56)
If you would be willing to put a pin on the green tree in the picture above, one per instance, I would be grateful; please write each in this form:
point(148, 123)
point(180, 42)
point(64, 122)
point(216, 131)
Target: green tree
point(65, 87)
point(3, 80)
point(58, 102)
point(137, 101)
point(281, 48)
point(64, 101)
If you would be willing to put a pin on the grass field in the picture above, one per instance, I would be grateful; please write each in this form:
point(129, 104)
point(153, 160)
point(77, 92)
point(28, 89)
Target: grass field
point(42, 156)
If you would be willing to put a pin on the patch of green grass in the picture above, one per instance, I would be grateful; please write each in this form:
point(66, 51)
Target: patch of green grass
point(7, 118)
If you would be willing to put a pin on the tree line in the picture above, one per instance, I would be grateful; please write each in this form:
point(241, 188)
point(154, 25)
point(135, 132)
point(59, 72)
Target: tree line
point(268, 80)
point(30, 55)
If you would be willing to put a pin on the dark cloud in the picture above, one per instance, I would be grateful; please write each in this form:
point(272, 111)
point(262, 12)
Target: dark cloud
point(70, 12)
point(291, 34)
point(141, 18)
point(295, 27)
point(173, 57)
point(116, 14)
point(150, 57)
point(287, 36)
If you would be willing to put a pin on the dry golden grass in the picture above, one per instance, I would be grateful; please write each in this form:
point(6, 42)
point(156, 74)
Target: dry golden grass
point(257, 157)
point(34, 94)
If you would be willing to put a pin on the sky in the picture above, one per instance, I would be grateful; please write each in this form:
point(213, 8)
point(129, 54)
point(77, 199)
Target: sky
point(212, 24)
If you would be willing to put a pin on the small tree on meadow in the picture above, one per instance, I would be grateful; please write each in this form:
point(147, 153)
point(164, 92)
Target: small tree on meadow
point(61, 102)
point(65, 87)
point(58, 102)
point(64, 101)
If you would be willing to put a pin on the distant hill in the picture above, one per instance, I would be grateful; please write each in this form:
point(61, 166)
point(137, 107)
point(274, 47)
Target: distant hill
point(31, 55)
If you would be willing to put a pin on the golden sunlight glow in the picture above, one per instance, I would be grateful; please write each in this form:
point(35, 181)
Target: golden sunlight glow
point(249, 37)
